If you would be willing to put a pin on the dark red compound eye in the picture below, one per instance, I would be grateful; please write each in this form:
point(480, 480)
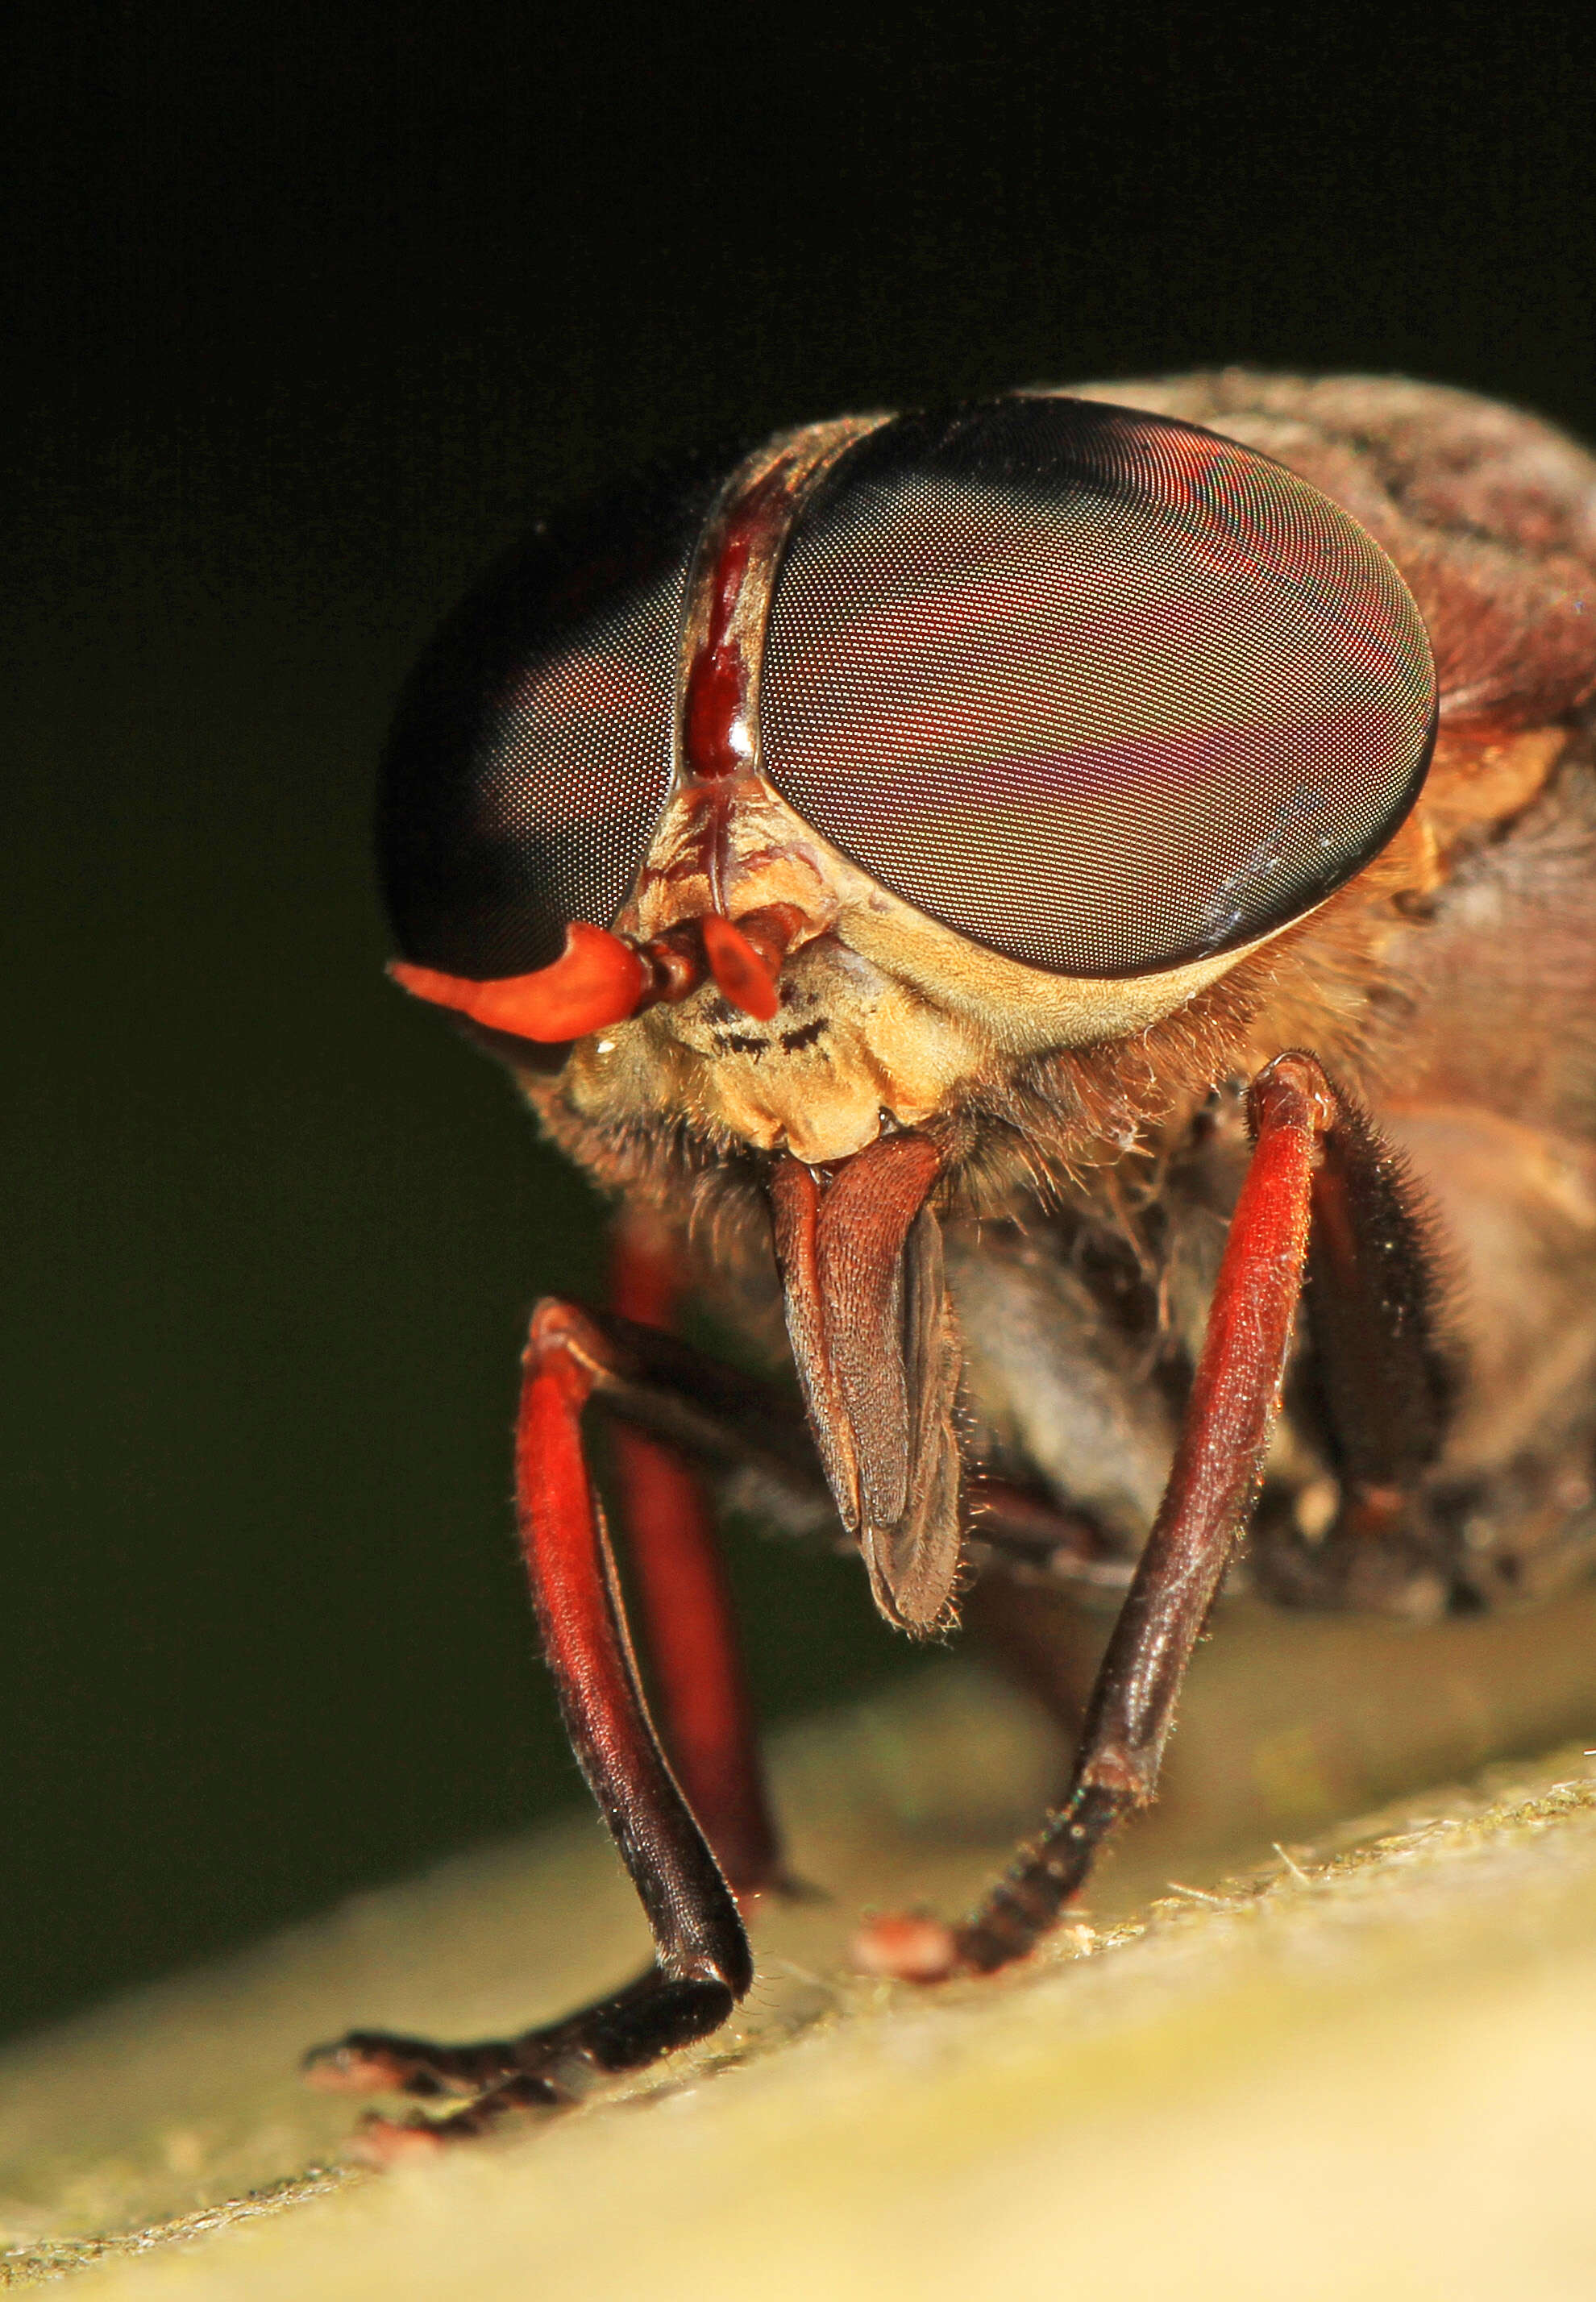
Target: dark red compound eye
point(531, 751)
point(1102, 691)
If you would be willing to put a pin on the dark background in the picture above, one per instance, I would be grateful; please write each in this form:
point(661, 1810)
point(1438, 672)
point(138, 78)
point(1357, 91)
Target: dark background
point(313, 309)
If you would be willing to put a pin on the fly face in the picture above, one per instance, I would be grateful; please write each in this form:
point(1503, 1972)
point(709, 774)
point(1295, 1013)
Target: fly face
point(909, 815)
point(1007, 729)
point(982, 733)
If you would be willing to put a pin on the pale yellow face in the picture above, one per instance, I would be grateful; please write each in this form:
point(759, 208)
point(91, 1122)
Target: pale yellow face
point(887, 1019)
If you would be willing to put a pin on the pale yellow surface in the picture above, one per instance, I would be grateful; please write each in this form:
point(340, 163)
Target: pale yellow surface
point(1366, 2072)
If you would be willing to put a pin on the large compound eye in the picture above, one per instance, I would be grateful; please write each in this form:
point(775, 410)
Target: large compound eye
point(532, 752)
point(1102, 691)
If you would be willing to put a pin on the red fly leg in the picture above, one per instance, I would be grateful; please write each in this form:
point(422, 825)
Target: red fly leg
point(701, 1965)
point(1233, 1398)
point(685, 1601)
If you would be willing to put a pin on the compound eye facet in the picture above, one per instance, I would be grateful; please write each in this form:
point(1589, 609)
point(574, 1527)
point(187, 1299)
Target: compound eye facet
point(532, 752)
point(1100, 690)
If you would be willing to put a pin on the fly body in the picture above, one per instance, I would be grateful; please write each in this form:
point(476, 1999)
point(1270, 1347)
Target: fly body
point(1071, 916)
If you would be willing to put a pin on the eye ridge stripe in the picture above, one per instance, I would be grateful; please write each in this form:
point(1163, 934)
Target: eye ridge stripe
point(727, 609)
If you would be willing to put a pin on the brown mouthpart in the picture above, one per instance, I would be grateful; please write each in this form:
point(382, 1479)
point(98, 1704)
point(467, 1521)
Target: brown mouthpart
point(860, 1253)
